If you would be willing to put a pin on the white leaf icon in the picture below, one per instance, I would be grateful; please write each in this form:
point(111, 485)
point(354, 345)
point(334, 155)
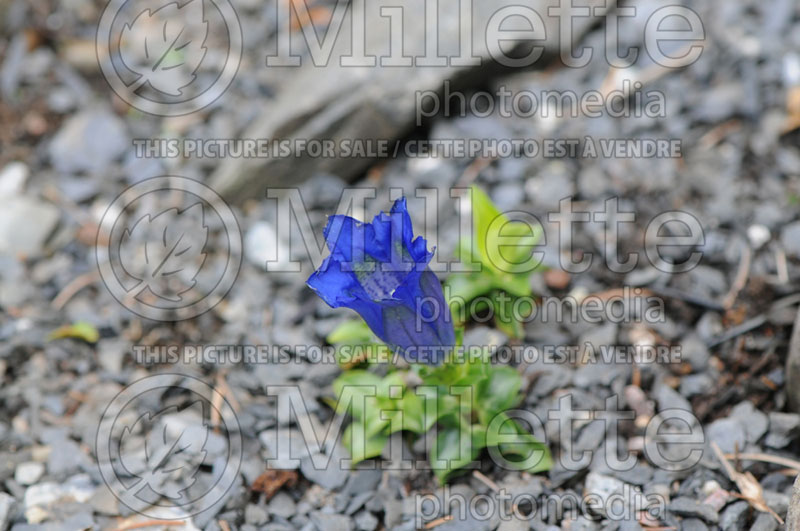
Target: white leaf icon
point(167, 449)
point(157, 249)
point(159, 46)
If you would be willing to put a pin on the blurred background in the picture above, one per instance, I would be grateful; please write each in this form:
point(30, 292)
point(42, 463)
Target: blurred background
point(73, 140)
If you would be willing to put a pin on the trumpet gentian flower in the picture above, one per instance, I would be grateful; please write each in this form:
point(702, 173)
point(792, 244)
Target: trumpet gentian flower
point(381, 271)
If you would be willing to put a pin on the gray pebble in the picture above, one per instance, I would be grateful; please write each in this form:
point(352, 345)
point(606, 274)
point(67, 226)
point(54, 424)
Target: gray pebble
point(783, 429)
point(728, 433)
point(692, 508)
point(7, 507)
point(89, 142)
point(764, 522)
point(754, 421)
point(28, 473)
point(790, 239)
point(693, 524)
point(734, 517)
point(282, 505)
point(366, 521)
point(255, 514)
point(332, 522)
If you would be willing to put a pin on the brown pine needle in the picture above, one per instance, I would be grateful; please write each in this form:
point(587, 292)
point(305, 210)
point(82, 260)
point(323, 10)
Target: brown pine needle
point(766, 458)
point(438, 522)
point(477, 474)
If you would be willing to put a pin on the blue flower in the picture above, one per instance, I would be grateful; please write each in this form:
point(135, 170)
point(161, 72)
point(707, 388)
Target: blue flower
point(381, 271)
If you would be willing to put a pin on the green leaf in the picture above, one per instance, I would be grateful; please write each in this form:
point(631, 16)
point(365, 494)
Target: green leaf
point(462, 289)
point(515, 448)
point(500, 392)
point(390, 383)
point(413, 408)
point(356, 390)
point(453, 449)
point(483, 214)
point(501, 241)
point(510, 312)
point(80, 330)
point(351, 332)
point(372, 445)
point(518, 242)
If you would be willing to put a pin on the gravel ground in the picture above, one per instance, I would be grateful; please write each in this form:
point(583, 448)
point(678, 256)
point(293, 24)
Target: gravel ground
point(67, 151)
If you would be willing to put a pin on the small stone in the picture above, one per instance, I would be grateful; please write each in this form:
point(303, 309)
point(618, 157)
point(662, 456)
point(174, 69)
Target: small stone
point(330, 477)
point(332, 522)
point(256, 515)
point(104, 501)
point(552, 185)
point(783, 429)
point(668, 398)
point(607, 488)
point(89, 142)
point(790, 238)
point(692, 508)
point(28, 473)
point(7, 506)
point(282, 505)
point(630, 525)
point(734, 517)
point(392, 512)
point(513, 524)
point(754, 421)
point(111, 353)
point(363, 481)
point(40, 497)
point(357, 502)
point(19, 234)
point(13, 178)
point(65, 458)
point(777, 501)
point(278, 444)
point(262, 244)
point(693, 524)
point(582, 523)
point(764, 522)
point(758, 236)
point(366, 521)
point(695, 384)
point(728, 433)
point(695, 351)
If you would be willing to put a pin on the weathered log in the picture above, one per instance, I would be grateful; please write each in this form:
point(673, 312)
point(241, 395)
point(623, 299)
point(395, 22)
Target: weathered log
point(363, 103)
point(793, 517)
point(793, 367)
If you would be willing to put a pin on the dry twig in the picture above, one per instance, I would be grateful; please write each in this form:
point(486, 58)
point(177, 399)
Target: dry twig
point(751, 490)
point(438, 522)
